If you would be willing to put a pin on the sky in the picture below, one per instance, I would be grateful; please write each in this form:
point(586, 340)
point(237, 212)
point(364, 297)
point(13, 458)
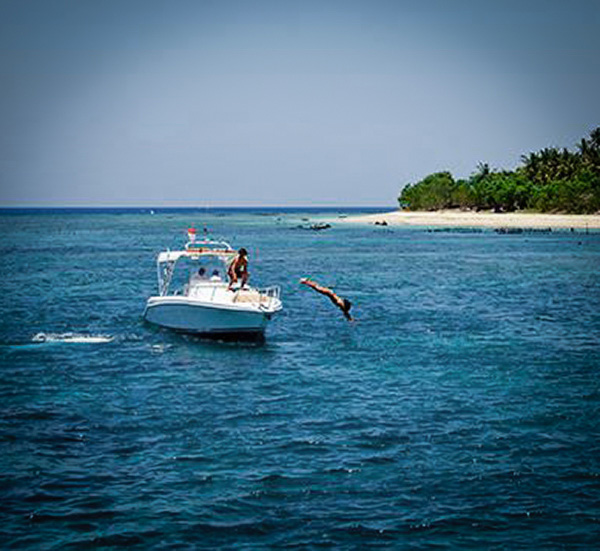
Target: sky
point(282, 103)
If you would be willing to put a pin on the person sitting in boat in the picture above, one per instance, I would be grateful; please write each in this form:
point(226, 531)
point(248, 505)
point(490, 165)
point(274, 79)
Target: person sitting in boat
point(215, 276)
point(343, 304)
point(196, 278)
point(238, 269)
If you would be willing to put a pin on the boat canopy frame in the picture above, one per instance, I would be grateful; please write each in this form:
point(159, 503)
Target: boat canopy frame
point(194, 250)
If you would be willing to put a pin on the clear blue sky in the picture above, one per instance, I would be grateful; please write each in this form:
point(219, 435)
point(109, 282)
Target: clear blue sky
point(244, 103)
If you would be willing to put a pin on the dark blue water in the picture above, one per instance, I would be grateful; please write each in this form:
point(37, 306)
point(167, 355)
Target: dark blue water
point(461, 410)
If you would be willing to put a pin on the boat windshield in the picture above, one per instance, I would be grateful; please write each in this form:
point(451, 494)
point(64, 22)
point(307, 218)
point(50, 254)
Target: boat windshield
point(178, 276)
point(206, 269)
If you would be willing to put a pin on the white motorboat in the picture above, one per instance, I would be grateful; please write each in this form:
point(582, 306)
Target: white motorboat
point(201, 301)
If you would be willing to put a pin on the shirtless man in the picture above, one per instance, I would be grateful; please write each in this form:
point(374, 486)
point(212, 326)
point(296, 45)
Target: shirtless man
point(238, 269)
point(343, 304)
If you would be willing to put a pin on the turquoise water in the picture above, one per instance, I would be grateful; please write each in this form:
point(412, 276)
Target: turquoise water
point(461, 410)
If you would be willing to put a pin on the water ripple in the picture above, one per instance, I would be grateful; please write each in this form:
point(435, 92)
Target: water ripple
point(461, 411)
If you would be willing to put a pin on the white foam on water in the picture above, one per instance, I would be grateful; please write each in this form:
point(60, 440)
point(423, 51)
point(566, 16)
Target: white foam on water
point(71, 338)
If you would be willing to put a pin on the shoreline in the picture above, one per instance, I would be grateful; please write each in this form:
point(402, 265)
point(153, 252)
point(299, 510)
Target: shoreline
point(470, 219)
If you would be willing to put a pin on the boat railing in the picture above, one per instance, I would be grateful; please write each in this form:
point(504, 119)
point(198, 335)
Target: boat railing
point(268, 294)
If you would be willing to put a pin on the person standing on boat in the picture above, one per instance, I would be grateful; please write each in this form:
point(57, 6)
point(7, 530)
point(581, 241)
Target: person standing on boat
point(238, 269)
point(343, 304)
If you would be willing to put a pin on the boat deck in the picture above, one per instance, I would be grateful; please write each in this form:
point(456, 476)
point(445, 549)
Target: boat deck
point(219, 293)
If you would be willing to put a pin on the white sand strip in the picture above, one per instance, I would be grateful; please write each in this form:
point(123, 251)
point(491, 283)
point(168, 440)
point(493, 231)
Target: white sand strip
point(468, 219)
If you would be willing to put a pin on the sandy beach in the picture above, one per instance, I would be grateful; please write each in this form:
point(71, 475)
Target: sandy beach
point(468, 219)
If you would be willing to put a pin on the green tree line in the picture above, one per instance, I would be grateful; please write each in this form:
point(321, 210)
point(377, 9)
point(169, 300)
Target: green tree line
point(551, 180)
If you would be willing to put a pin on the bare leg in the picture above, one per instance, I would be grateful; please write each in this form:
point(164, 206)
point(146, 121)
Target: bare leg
point(319, 288)
point(232, 280)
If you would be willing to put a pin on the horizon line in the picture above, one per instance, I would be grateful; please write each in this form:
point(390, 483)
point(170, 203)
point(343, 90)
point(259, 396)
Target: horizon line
point(198, 207)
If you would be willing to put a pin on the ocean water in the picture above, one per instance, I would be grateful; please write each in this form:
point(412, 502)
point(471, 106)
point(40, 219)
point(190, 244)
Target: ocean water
point(460, 411)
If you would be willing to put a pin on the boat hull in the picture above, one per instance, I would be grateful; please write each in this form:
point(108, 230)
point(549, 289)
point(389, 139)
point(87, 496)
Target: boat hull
point(183, 315)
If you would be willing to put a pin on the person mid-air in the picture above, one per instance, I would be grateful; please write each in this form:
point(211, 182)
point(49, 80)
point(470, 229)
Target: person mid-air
point(343, 304)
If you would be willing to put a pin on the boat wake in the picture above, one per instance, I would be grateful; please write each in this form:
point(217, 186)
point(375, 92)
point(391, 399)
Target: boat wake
point(70, 338)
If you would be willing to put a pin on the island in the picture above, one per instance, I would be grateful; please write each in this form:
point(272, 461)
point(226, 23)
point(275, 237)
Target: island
point(551, 188)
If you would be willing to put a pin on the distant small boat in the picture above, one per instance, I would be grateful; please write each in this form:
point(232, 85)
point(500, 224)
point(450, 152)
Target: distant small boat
point(203, 304)
point(318, 226)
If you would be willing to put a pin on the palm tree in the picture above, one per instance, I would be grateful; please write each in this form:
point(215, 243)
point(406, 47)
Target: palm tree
point(583, 147)
point(595, 138)
point(589, 152)
point(531, 164)
point(483, 170)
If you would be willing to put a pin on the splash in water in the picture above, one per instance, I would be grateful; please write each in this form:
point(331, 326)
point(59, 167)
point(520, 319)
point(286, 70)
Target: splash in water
point(70, 338)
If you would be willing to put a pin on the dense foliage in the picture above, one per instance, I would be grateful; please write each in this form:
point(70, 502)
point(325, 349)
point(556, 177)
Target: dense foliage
point(551, 180)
